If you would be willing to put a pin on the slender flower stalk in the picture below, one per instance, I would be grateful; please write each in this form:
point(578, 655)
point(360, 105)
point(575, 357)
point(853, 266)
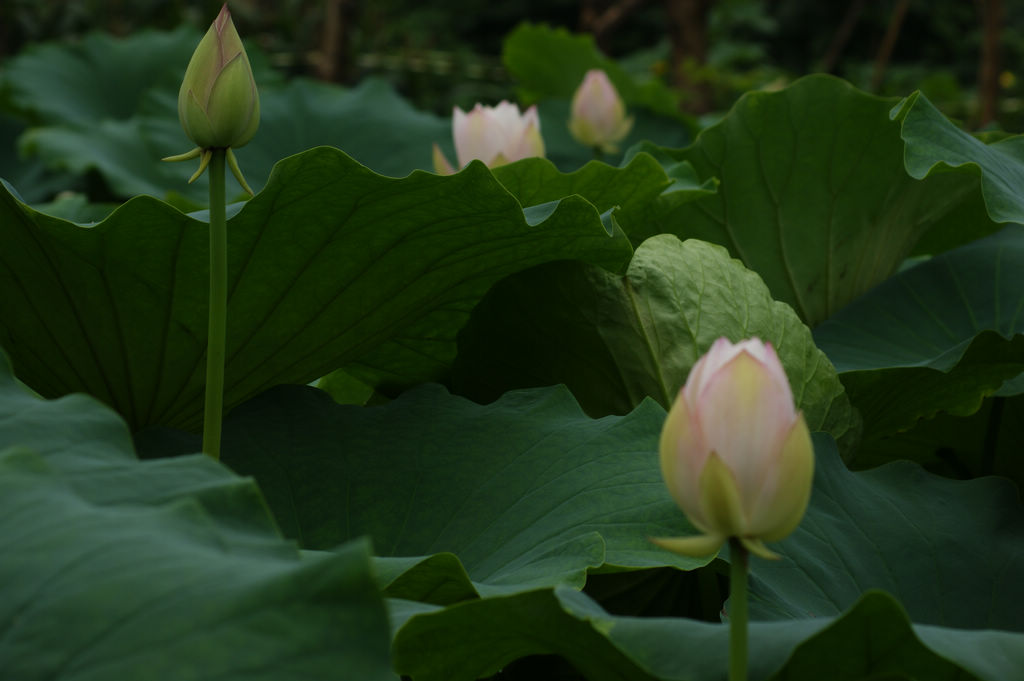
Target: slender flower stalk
point(738, 565)
point(218, 318)
point(219, 108)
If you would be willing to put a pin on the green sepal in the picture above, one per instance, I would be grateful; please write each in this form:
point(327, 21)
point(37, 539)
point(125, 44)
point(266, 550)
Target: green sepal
point(204, 160)
point(237, 172)
point(695, 546)
point(187, 156)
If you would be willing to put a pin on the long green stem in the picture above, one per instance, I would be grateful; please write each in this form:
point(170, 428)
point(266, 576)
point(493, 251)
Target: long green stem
point(218, 307)
point(737, 611)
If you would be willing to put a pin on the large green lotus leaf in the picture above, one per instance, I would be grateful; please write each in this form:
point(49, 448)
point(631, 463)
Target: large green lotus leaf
point(616, 339)
point(501, 499)
point(942, 547)
point(121, 153)
point(938, 336)
point(872, 640)
point(526, 492)
point(370, 122)
point(99, 78)
point(36, 183)
point(113, 567)
point(935, 146)
point(92, 448)
point(105, 77)
point(331, 265)
point(813, 194)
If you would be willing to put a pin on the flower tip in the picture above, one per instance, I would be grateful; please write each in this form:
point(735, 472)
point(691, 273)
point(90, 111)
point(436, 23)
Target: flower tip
point(223, 17)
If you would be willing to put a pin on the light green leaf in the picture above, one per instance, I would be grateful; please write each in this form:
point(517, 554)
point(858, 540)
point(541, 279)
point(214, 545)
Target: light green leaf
point(617, 339)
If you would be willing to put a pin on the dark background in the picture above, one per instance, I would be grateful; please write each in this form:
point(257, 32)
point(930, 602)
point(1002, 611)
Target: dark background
point(965, 55)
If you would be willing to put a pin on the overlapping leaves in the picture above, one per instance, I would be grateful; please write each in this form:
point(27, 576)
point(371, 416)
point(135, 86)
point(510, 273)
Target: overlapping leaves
point(484, 532)
point(487, 520)
point(331, 265)
point(115, 568)
point(813, 195)
point(615, 339)
point(939, 336)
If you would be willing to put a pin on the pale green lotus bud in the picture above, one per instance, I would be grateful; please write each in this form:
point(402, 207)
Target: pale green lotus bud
point(736, 455)
point(218, 104)
point(598, 114)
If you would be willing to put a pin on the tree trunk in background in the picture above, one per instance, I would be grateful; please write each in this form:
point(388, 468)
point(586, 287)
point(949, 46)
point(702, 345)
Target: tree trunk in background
point(992, 18)
point(599, 21)
point(688, 31)
point(334, 63)
point(888, 43)
point(842, 35)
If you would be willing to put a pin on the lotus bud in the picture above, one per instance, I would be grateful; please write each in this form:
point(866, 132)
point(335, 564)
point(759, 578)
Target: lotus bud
point(598, 115)
point(495, 135)
point(218, 104)
point(736, 455)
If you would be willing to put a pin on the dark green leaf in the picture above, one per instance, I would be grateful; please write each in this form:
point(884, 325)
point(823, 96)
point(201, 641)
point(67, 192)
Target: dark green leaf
point(950, 551)
point(166, 570)
point(935, 146)
point(939, 336)
point(330, 266)
point(813, 195)
point(370, 122)
point(872, 640)
point(526, 492)
point(100, 78)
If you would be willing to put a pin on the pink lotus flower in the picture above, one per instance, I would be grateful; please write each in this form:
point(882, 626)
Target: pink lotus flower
point(495, 135)
point(735, 454)
point(598, 114)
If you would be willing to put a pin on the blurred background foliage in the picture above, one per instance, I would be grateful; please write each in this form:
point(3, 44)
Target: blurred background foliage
point(686, 59)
